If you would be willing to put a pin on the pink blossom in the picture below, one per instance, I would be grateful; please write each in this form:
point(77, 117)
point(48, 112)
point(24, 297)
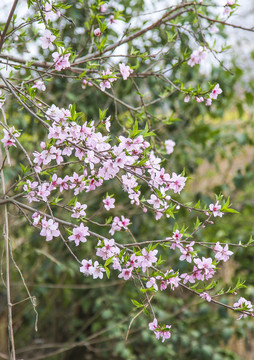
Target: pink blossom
point(165, 334)
point(79, 234)
point(187, 98)
point(159, 331)
point(173, 281)
point(77, 182)
point(148, 258)
point(153, 161)
point(79, 210)
point(129, 182)
point(153, 325)
point(8, 140)
point(108, 250)
point(197, 56)
point(186, 252)
point(158, 214)
point(116, 225)
point(86, 267)
point(208, 102)
point(121, 160)
point(222, 253)
point(230, 2)
point(124, 222)
point(177, 183)
point(108, 123)
point(242, 302)
point(103, 8)
point(39, 85)
point(53, 183)
point(63, 183)
point(109, 203)
point(116, 264)
point(125, 274)
point(163, 283)
point(57, 154)
point(205, 296)
point(125, 71)
point(49, 229)
point(216, 91)
point(216, 209)
point(9, 137)
point(226, 11)
point(97, 32)
point(106, 83)
point(199, 99)
point(199, 275)
point(47, 39)
point(169, 146)
point(152, 283)
point(44, 191)
point(134, 261)
point(36, 219)
point(112, 19)
point(155, 201)
point(177, 237)
point(205, 263)
point(97, 270)
point(48, 12)
point(206, 266)
point(43, 158)
point(214, 29)
point(61, 61)
point(85, 82)
point(188, 278)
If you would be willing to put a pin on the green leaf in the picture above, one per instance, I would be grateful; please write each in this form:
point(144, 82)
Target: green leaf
point(102, 114)
point(136, 303)
point(24, 169)
point(109, 261)
point(107, 271)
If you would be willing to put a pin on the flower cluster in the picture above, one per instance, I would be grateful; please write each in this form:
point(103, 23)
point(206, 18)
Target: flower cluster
point(242, 303)
point(103, 162)
point(95, 156)
point(197, 56)
point(49, 228)
point(9, 137)
point(208, 98)
point(129, 160)
point(215, 208)
point(160, 331)
point(47, 40)
point(125, 71)
point(222, 253)
point(49, 12)
point(88, 268)
point(206, 296)
point(39, 85)
point(97, 32)
point(61, 60)
point(106, 83)
point(169, 144)
point(79, 234)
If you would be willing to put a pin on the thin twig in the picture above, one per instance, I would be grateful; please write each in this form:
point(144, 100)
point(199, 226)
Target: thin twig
point(7, 23)
point(31, 298)
point(12, 353)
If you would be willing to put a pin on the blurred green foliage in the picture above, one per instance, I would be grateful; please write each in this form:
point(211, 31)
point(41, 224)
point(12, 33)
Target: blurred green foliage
point(83, 319)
